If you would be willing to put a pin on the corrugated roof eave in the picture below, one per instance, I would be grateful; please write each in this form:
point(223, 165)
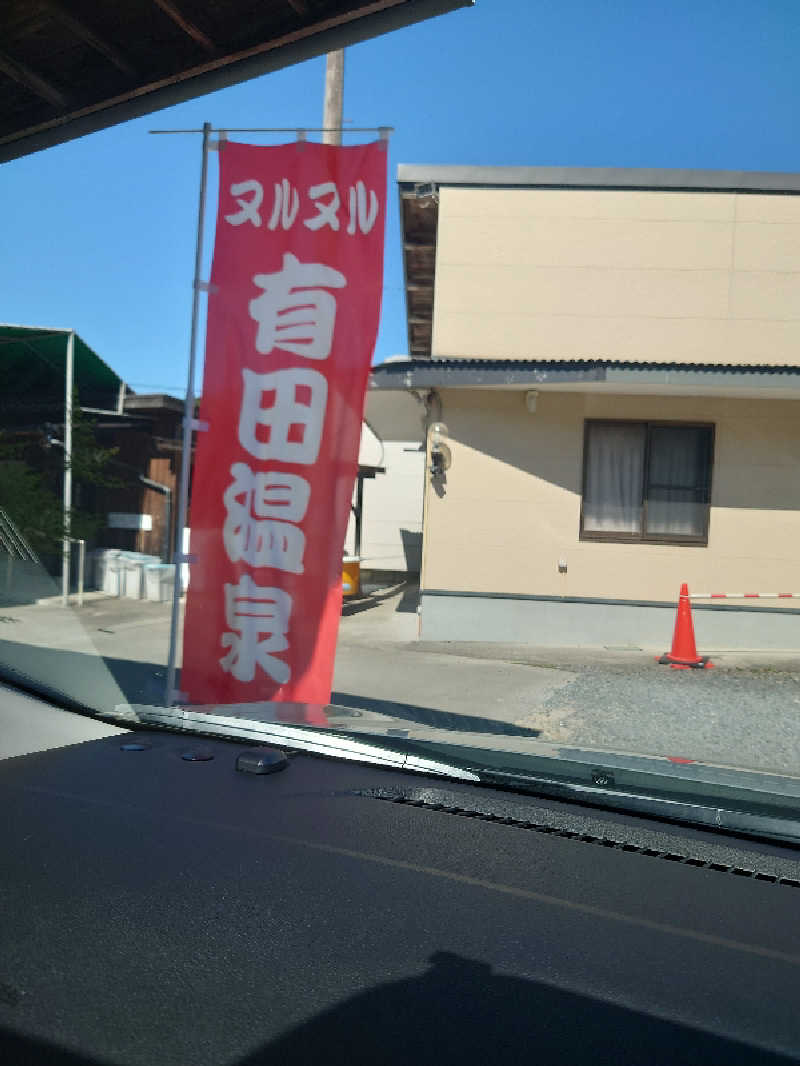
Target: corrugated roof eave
point(642, 178)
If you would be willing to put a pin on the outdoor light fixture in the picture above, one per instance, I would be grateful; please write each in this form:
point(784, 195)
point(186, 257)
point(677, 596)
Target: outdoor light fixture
point(441, 456)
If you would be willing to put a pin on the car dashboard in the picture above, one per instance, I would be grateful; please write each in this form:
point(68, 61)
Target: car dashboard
point(162, 906)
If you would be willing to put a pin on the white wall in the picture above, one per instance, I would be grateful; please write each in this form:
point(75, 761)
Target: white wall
point(392, 529)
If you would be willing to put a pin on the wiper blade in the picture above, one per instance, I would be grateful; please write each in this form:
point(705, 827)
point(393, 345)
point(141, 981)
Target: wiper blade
point(746, 802)
point(247, 725)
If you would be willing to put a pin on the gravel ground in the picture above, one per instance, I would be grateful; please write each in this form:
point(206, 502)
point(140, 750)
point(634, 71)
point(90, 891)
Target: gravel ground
point(744, 713)
point(747, 718)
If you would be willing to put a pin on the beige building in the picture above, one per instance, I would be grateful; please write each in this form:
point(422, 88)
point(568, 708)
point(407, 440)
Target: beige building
point(614, 357)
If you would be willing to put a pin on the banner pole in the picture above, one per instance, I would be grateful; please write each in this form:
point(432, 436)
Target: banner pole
point(171, 695)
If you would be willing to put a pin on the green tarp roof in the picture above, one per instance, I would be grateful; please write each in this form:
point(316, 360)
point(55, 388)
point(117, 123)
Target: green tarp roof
point(32, 374)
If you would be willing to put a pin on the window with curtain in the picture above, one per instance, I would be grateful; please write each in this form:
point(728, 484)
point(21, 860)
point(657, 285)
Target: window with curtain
point(646, 481)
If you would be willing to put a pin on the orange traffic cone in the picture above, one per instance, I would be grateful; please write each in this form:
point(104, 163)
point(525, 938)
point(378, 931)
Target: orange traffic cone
point(683, 654)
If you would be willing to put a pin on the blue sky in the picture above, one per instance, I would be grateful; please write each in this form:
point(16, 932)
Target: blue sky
point(98, 234)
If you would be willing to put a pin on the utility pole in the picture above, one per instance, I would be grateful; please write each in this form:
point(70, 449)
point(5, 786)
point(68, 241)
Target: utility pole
point(334, 96)
point(69, 385)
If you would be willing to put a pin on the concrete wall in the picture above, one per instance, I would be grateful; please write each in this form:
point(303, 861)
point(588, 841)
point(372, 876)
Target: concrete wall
point(559, 624)
point(510, 507)
point(626, 275)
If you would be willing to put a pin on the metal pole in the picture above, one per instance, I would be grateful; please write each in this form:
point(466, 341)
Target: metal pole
point(188, 419)
point(382, 130)
point(359, 513)
point(334, 97)
point(68, 387)
point(81, 569)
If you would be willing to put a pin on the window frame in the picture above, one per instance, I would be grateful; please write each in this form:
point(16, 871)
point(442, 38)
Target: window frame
point(643, 537)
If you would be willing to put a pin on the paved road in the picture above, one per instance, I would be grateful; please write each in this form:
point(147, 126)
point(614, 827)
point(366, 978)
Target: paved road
point(745, 713)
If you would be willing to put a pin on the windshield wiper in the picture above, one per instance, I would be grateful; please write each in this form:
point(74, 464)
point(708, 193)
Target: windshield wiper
point(248, 725)
point(744, 802)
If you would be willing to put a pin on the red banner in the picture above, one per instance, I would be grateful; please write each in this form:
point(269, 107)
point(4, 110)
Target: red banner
point(292, 319)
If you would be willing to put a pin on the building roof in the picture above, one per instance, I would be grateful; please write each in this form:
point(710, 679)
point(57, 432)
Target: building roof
point(394, 415)
point(602, 375)
point(32, 373)
point(418, 186)
point(153, 401)
point(641, 178)
point(69, 67)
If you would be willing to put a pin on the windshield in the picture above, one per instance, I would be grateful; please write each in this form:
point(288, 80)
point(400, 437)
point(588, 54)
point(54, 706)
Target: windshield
point(488, 456)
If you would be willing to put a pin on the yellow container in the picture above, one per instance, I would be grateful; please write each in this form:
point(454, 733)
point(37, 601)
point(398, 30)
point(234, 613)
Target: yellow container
point(351, 575)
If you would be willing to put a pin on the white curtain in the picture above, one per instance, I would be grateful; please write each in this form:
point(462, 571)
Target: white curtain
point(612, 501)
point(676, 481)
